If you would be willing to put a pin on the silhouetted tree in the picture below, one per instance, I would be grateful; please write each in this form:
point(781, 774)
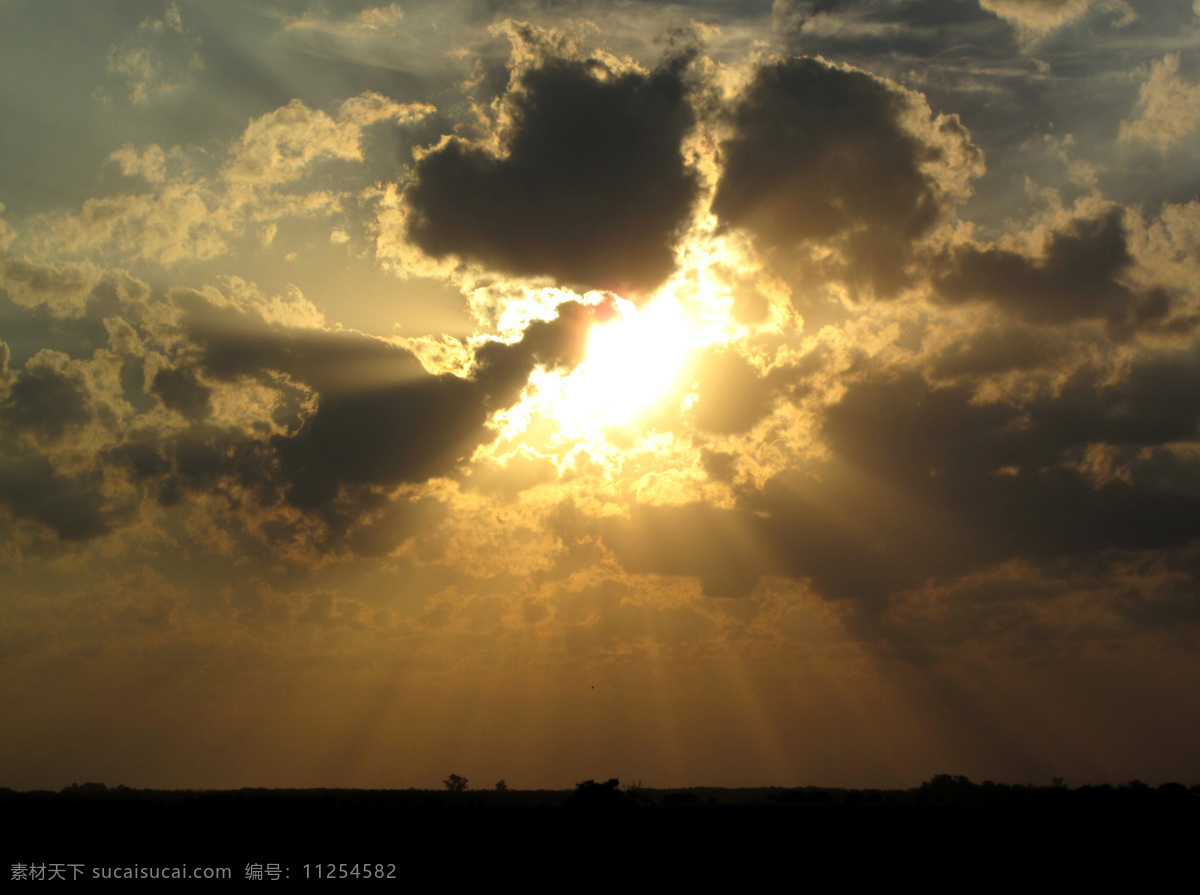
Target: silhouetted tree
point(501, 786)
point(603, 796)
point(455, 783)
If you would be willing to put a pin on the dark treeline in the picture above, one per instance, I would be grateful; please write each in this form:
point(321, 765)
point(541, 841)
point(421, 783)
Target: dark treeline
point(476, 831)
point(943, 789)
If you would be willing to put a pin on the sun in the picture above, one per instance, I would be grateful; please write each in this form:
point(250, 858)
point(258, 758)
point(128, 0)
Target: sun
point(632, 362)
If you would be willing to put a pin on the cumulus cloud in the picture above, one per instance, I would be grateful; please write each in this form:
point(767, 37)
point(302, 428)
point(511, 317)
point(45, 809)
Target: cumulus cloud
point(590, 188)
point(46, 399)
point(1079, 275)
point(65, 289)
point(47, 473)
point(269, 411)
point(169, 225)
point(282, 145)
point(187, 215)
point(1168, 106)
point(822, 157)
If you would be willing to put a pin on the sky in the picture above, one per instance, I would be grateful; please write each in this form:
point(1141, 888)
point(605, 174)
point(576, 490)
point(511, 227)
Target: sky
point(713, 393)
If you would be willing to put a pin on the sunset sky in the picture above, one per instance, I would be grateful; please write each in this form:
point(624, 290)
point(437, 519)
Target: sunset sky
point(712, 393)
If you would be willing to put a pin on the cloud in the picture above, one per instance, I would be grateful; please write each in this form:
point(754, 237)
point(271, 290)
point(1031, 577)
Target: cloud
point(927, 483)
point(822, 158)
point(282, 145)
point(280, 429)
point(182, 392)
point(591, 188)
point(731, 396)
point(366, 23)
point(46, 473)
point(997, 470)
point(1169, 107)
point(788, 17)
point(408, 432)
point(1036, 18)
point(1008, 477)
point(46, 399)
point(188, 216)
point(174, 223)
point(65, 289)
point(159, 61)
point(73, 507)
point(239, 341)
point(380, 419)
point(993, 350)
point(423, 38)
point(1078, 276)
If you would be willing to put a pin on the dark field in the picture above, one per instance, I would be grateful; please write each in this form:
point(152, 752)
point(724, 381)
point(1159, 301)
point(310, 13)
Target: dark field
point(599, 831)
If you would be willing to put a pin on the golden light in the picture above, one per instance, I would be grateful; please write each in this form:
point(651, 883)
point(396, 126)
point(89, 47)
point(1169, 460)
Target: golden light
point(631, 361)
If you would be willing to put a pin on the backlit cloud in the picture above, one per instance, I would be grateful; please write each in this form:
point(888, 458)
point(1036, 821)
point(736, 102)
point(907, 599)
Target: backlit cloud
point(590, 189)
point(1168, 106)
point(822, 158)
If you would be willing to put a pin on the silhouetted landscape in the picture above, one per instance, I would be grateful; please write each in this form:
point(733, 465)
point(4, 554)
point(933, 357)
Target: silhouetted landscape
point(98, 826)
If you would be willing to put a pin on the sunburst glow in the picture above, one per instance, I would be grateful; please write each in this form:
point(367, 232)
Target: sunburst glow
point(631, 362)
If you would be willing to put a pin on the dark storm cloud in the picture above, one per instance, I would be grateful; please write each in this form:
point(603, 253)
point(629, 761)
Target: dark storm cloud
point(1077, 277)
point(928, 482)
point(46, 401)
point(1156, 404)
point(380, 418)
point(422, 428)
point(592, 191)
point(139, 454)
point(409, 432)
point(418, 430)
point(818, 155)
